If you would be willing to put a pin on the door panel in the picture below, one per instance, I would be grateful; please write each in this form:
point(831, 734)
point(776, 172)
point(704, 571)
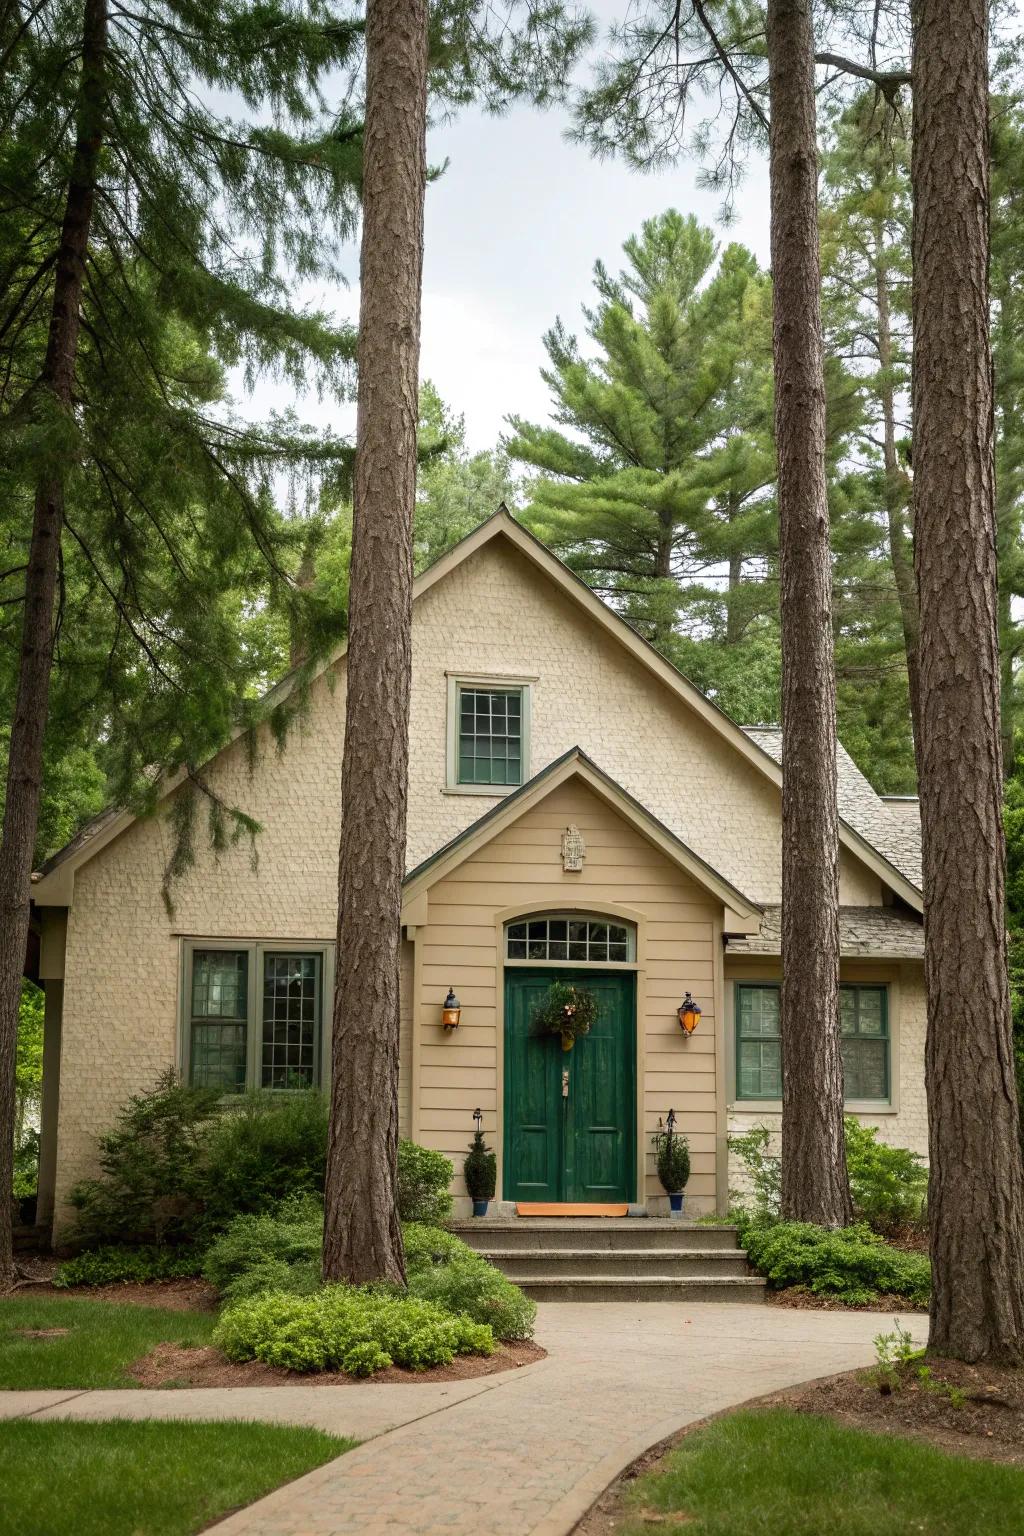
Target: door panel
point(580, 1146)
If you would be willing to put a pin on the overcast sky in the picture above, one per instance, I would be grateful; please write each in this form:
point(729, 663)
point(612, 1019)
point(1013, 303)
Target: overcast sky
point(513, 229)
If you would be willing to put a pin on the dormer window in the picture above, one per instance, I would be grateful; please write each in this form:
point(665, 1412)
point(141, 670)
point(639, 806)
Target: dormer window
point(488, 734)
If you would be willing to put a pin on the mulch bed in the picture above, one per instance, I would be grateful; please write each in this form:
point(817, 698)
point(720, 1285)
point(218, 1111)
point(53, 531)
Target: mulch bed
point(189, 1295)
point(988, 1425)
point(172, 1365)
point(806, 1301)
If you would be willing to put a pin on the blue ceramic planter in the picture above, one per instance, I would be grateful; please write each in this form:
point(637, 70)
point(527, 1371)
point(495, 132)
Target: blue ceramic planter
point(675, 1204)
point(480, 1207)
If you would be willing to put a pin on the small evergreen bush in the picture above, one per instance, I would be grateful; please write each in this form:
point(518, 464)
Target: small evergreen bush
point(480, 1170)
point(424, 1177)
point(343, 1328)
point(673, 1162)
point(852, 1263)
point(889, 1185)
point(153, 1184)
point(262, 1150)
point(114, 1265)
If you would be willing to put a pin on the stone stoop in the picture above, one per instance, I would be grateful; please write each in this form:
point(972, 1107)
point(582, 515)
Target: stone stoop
point(643, 1259)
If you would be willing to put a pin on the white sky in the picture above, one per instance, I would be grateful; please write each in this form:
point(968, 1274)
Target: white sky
point(513, 229)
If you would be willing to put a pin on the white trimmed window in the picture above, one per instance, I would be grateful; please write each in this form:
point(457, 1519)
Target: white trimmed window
point(488, 734)
point(253, 1015)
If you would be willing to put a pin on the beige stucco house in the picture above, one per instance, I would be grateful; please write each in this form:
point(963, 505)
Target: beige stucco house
point(577, 808)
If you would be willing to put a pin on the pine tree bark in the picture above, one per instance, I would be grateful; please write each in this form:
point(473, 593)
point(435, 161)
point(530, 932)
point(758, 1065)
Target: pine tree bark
point(54, 389)
point(814, 1179)
point(362, 1234)
point(976, 1185)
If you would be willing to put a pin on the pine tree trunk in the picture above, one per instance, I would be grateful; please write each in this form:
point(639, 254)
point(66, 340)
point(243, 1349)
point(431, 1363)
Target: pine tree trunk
point(362, 1235)
point(901, 549)
point(976, 1185)
point(814, 1180)
point(28, 725)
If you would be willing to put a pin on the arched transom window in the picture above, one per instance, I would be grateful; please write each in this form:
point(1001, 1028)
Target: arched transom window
point(570, 936)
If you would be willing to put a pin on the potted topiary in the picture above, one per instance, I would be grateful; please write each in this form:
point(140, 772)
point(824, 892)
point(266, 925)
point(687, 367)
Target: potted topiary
point(673, 1154)
point(480, 1170)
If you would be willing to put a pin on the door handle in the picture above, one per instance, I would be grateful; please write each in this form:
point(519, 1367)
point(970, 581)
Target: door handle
point(565, 1084)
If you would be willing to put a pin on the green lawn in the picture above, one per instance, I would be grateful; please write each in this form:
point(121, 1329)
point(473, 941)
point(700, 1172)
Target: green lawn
point(103, 1338)
point(150, 1478)
point(776, 1473)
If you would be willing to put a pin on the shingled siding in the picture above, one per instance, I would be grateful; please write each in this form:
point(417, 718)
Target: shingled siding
point(902, 1123)
point(520, 871)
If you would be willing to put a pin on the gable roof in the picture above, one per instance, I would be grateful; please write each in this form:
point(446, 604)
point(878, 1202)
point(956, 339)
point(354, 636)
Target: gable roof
point(896, 836)
point(575, 764)
point(54, 882)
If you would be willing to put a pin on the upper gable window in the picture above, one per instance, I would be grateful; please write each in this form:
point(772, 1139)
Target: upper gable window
point(488, 734)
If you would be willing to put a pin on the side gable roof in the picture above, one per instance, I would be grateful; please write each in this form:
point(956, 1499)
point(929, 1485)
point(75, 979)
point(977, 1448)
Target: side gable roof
point(575, 764)
point(54, 882)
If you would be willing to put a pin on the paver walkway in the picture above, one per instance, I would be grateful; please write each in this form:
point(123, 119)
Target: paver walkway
point(523, 1453)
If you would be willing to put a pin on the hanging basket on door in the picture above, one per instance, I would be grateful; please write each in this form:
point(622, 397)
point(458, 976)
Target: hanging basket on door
point(567, 1011)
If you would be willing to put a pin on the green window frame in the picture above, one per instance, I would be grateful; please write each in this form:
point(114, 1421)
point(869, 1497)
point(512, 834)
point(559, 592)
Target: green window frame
point(865, 1041)
point(490, 735)
point(253, 1015)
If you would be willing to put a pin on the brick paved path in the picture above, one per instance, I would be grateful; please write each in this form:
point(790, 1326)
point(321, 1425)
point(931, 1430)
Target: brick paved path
point(523, 1453)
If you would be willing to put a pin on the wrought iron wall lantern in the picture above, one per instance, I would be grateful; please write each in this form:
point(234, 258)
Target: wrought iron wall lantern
point(451, 1012)
point(688, 1014)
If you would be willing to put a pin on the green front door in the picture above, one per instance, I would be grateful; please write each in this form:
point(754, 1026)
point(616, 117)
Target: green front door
point(570, 1116)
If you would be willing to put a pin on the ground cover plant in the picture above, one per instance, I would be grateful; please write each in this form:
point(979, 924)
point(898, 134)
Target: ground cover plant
point(345, 1328)
point(762, 1471)
point(112, 1265)
point(146, 1478)
point(48, 1342)
point(853, 1264)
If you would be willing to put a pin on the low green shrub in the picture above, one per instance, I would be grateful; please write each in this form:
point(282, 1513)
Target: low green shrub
point(270, 1243)
point(113, 1265)
point(441, 1268)
point(852, 1263)
point(424, 1177)
point(889, 1185)
point(477, 1290)
point(341, 1328)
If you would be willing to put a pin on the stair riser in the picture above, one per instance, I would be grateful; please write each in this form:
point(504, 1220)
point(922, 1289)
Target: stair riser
point(550, 1266)
point(488, 1236)
point(623, 1291)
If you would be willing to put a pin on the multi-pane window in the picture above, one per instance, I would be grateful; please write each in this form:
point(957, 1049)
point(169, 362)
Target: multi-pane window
point(490, 735)
point(864, 1025)
point(589, 939)
point(220, 1009)
point(291, 1002)
point(254, 1018)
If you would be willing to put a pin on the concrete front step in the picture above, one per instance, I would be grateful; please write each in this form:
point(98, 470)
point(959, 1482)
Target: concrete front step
point(524, 1266)
point(530, 1233)
point(652, 1287)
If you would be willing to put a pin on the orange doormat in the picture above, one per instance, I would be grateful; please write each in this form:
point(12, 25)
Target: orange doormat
point(555, 1208)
